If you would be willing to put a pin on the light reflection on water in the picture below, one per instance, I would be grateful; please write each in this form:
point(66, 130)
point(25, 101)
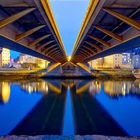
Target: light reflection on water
point(68, 128)
point(68, 107)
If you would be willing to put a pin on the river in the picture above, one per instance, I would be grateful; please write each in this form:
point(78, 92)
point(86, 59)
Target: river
point(70, 107)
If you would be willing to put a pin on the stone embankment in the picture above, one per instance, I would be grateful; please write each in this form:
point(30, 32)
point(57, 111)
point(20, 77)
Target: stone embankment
point(77, 137)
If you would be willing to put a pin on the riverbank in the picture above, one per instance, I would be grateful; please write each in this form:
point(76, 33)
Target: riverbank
point(116, 74)
point(77, 137)
point(38, 73)
point(20, 74)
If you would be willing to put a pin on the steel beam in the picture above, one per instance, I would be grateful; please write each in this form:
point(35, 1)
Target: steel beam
point(53, 50)
point(44, 45)
point(123, 18)
point(29, 32)
point(94, 46)
point(81, 54)
point(109, 33)
point(55, 53)
point(33, 43)
point(79, 57)
point(15, 17)
point(86, 51)
point(50, 48)
point(59, 51)
point(106, 44)
point(88, 48)
point(59, 57)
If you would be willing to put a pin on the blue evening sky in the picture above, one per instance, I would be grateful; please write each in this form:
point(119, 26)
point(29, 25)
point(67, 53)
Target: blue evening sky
point(14, 54)
point(69, 15)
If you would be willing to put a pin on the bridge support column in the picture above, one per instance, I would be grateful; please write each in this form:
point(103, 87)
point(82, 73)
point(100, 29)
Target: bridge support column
point(52, 67)
point(84, 67)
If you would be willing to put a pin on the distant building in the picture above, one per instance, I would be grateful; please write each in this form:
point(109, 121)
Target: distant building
point(4, 56)
point(136, 61)
point(42, 63)
point(127, 60)
point(96, 64)
point(33, 60)
point(26, 59)
point(112, 61)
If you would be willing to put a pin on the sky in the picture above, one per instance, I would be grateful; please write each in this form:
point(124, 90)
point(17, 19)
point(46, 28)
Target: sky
point(14, 54)
point(69, 15)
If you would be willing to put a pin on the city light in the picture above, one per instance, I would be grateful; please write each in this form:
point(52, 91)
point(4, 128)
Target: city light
point(69, 58)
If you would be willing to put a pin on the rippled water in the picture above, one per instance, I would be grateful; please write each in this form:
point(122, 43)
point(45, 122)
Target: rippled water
point(69, 107)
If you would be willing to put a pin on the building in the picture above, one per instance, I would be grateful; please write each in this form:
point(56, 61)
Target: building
point(33, 60)
point(96, 64)
point(123, 61)
point(136, 61)
point(26, 59)
point(127, 60)
point(4, 57)
point(111, 61)
point(42, 63)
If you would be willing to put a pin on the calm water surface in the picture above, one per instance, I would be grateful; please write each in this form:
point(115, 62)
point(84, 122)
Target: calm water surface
point(69, 107)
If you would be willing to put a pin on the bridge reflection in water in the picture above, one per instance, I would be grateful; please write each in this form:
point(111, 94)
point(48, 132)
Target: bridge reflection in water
point(68, 107)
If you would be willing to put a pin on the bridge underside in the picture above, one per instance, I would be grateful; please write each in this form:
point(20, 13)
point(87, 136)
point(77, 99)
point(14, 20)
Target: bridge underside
point(9, 44)
point(126, 46)
point(110, 26)
point(29, 27)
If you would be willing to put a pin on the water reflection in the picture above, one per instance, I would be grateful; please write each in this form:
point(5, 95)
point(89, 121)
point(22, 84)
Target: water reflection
point(95, 87)
point(117, 88)
point(111, 88)
point(4, 92)
point(68, 128)
point(68, 107)
point(35, 86)
point(47, 116)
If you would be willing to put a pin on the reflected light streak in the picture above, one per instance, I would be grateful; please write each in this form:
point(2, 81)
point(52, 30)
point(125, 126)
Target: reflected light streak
point(41, 86)
point(68, 124)
point(124, 89)
point(5, 92)
point(82, 88)
point(94, 87)
point(54, 88)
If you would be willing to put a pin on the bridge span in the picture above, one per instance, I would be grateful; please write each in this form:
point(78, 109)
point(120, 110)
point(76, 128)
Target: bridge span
point(109, 27)
point(28, 26)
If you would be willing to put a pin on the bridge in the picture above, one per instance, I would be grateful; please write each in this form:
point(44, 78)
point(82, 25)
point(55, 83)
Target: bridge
point(109, 27)
point(28, 26)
